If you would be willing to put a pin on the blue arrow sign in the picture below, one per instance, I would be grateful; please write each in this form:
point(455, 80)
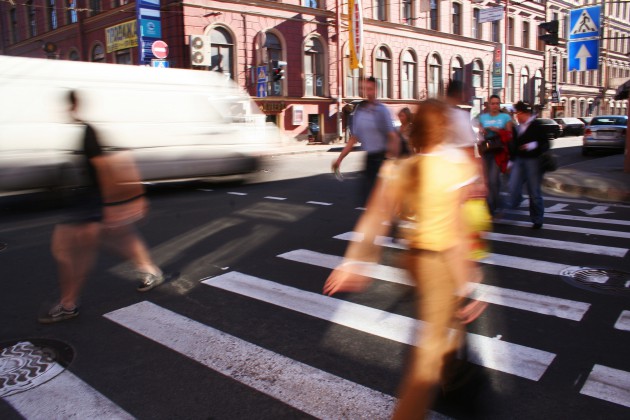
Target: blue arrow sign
point(584, 23)
point(583, 55)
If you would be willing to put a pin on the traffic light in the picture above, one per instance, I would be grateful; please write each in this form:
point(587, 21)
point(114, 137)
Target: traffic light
point(551, 37)
point(278, 68)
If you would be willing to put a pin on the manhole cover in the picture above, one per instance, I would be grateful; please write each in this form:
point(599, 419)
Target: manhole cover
point(601, 280)
point(29, 363)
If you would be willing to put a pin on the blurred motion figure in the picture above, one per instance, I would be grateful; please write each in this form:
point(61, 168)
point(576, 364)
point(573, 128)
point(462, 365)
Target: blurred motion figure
point(430, 187)
point(75, 240)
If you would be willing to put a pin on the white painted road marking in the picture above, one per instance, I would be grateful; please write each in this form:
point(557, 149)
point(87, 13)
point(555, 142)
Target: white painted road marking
point(623, 322)
point(319, 203)
point(551, 243)
point(608, 384)
point(563, 228)
point(63, 397)
point(541, 304)
point(270, 197)
point(578, 218)
point(310, 390)
point(507, 357)
point(237, 193)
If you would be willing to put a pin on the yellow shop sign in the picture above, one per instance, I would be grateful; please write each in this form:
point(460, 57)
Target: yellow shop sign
point(121, 36)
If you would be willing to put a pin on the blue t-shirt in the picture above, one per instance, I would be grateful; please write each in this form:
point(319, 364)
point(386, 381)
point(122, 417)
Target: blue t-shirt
point(371, 124)
point(499, 121)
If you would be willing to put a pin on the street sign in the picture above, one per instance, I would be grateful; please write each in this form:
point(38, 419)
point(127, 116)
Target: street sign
point(163, 64)
point(261, 90)
point(491, 14)
point(159, 49)
point(261, 74)
point(555, 99)
point(583, 55)
point(584, 23)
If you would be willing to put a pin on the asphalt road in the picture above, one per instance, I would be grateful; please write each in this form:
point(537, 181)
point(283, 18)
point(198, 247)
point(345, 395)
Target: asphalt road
point(244, 331)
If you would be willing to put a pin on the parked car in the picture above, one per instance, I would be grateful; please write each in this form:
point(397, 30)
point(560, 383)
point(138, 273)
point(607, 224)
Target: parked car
point(585, 120)
point(571, 126)
point(605, 132)
point(554, 130)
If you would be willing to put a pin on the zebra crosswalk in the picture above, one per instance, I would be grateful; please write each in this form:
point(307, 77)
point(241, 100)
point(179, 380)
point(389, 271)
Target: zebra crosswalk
point(322, 393)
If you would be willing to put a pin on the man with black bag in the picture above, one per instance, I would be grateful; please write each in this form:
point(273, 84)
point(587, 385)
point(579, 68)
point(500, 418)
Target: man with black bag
point(529, 143)
point(492, 123)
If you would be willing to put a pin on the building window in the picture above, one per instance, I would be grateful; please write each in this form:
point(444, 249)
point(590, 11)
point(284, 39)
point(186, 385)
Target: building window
point(457, 69)
point(222, 52)
point(408, 87)
point(511, 31)
point(98, 53)
point(477, 28)
point(71, 16)
point(509, 86)
point(525, 34)
point(314, 68)
point(274, 53)
point(573, 112)
point(563, 70)
point(582, 108)
point(477, 74)
point(434, 76)
point(32, 18)
point(52, 15)
point(95, 7)
point(538, 94)
point(73, 55)
point(13, 25)
point(352, 77)
point(567, 24)
point(310, 3)
point(381, 10)
point(525, 96)
point(407, 12)
point(496, 31)
point(123, 57)
point(434, 15)
point(457, 18)
point(382, 72)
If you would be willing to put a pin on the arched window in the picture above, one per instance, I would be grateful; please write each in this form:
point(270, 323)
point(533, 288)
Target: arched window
point(538, 79)
point(352, 77)
point(477, 74)
point(273, 47)
point(524, 85)
point(582, 108)
point(457, 69)
point(477, 28)
point(509, 85)
point(222, 52)
point(314, 68)
point(457, 19)
point(98, 53)
point(573, 105)
point(71, 10)
point(382, 72)
point(73, 55)
point(408, 88)
point(434, 76)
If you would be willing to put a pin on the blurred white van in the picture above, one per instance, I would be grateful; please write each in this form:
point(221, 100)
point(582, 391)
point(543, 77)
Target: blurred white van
point(180, 124)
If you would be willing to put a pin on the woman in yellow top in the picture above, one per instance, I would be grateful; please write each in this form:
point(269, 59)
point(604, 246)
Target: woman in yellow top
point(431, 187)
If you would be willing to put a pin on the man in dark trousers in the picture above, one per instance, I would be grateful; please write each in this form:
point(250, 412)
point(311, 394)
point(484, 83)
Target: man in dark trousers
point(372, 126)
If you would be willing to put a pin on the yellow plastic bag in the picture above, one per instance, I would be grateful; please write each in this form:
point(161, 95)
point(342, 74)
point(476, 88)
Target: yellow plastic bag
point(477, 220)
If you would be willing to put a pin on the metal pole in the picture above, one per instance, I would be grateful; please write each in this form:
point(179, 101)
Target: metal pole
point(505, 51)
point(339, 69)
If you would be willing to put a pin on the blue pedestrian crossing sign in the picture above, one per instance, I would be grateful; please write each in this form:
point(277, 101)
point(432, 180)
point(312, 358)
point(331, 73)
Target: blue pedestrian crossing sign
point(584, 23)
point(583, 55)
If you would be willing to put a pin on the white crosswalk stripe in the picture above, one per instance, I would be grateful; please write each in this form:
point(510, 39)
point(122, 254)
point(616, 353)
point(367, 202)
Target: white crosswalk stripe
point(546, 305)
point(608, 384)
point(499, 355)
